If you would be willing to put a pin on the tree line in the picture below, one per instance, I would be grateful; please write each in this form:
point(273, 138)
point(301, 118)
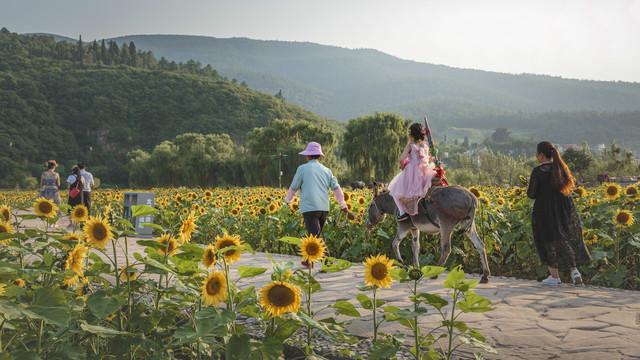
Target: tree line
point(368, 150)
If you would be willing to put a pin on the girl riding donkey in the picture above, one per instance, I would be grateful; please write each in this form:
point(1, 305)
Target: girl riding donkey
point(418, 170)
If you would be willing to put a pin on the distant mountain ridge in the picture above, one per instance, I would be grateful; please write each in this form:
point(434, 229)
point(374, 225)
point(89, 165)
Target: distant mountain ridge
point(343, 83)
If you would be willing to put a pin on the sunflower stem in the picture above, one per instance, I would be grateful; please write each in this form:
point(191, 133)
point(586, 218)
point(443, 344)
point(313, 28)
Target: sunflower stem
point(375, 309)
point(232, 326)
point(309, 351)
point(415, 319)
point(126, 271)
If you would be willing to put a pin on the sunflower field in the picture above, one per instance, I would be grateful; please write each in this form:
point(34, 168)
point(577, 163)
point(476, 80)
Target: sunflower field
point(64, 292)
point(609, 215)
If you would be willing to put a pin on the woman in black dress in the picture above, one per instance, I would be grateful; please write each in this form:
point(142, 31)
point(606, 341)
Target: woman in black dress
point(556, 225)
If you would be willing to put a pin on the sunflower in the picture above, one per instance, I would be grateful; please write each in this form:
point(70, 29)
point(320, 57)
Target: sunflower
point(272, 208)
point(580, 191)
point(80, 213)
point(208, 194)
point(312, 248)
point(76, 258)
point(630, 191)
point(72, 236)
point(128, 273)
point(5, 212)
point(209, 257)
point(19, 282)
point(361, 201)
point(5, 227)
point(278, 298)
point(623, 218)
point(214, 288)
point(97, 232)
point(376, 272)
point(589, 236)
point(477, 193)
point(612, 191)
point(517, 190)
point(500, 201)
point(170, 245)
point(188, 227)
point(44, 207)
point(523, 180)
point(235, 212)
point(231, 255)
point(2, 287)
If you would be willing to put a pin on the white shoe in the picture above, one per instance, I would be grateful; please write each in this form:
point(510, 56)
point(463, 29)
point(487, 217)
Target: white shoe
point(551, 281)
point(576, 277)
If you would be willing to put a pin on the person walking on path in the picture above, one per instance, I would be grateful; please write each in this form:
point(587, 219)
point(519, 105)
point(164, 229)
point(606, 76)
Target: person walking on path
point(75, 180)
point(418, 170)
point(555, 222)
point(88, 182)
point(50, 181)
point(314, 181)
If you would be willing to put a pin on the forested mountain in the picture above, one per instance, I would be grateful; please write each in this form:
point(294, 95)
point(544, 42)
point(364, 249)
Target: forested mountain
point(343, 83)
point(95, 102)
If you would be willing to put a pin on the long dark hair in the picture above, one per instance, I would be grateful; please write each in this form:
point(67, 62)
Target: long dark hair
point(417, 130)
point(561, 177)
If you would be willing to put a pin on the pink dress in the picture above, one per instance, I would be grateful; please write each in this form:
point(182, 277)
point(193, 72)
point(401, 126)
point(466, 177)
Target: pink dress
point(414, 180)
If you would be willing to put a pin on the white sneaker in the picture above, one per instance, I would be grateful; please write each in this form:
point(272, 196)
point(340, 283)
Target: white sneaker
point(576, 277)
point(551, 281)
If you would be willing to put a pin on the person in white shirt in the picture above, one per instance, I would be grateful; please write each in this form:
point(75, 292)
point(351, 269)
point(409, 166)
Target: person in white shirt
point(88, 183)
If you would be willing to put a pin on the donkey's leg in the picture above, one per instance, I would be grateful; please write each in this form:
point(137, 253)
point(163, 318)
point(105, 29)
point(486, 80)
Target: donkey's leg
point(445, 240)
point(475, 239)
point(415, 246)
point(402, 232)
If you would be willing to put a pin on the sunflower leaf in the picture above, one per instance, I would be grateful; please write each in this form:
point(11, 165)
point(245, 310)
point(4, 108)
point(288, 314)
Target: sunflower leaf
point(99, 330)
point(142, 210)
point(346, 308)
point(248, 271)
point(364, 301)
point(291, 240)
point(101, 304)
point(155, 226)
point(125, 222)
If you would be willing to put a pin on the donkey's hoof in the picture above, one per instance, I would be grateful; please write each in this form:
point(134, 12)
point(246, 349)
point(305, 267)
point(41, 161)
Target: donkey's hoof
point(484, 279)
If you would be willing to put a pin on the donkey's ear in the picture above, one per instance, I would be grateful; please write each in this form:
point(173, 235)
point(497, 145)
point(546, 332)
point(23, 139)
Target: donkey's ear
point(375, 189)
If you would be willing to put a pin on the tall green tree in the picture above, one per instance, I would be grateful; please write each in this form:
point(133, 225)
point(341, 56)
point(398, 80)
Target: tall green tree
point(276, 147)
point(373, 144)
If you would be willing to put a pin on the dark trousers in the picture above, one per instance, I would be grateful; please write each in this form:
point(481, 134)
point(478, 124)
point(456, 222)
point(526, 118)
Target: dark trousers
point(87, 201)
point(314, 222)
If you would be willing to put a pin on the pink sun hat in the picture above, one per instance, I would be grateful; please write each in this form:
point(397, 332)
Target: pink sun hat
point(312, 149)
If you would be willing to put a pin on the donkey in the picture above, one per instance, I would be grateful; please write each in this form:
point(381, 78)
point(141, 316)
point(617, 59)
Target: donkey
point(442, 209)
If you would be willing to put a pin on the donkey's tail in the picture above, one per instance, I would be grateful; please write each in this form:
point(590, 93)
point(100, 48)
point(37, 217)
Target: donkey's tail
point(468, 222)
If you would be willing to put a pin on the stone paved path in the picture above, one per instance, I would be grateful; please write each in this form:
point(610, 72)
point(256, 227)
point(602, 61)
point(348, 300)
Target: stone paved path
point(531, 321)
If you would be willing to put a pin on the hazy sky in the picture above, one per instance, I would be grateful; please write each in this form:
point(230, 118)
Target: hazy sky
point(581, 39)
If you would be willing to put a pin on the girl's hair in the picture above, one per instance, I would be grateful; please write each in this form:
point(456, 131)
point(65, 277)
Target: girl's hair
point(561, 177)
point(417, 131)
point(75, 170)
point(51, 164)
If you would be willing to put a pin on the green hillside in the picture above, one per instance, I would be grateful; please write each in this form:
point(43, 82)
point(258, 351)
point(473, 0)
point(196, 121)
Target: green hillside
point(63, 103)
point(343, 83)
